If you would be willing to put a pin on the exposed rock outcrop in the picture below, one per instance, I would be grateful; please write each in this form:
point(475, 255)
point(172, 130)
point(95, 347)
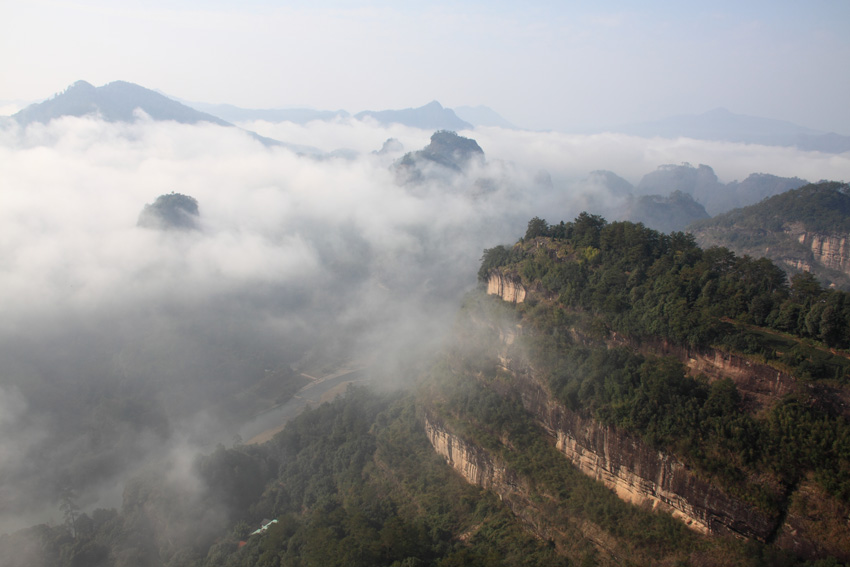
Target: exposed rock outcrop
point(481, 468)
point(473, 463)
point(831, 250)
point(804, 229)
point(509, 288)
point(637, 472)
point(759, 384)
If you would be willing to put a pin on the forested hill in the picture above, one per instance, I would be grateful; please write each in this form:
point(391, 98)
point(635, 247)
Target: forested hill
point(821, 207)
point(645, 283)
point(715, 361)
point(802, 229)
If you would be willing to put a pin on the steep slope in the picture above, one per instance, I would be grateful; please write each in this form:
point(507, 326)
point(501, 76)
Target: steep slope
point(482, 116)
point(805, 229)
point(619, 342)
point(352, 483)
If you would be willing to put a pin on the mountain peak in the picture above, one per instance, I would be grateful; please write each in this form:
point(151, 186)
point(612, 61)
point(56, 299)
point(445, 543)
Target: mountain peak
point(446, 149)
point(114, 102)
point(432, 116)
point(80, 85)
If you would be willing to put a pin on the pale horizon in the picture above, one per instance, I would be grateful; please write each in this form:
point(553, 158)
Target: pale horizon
point(541, 66)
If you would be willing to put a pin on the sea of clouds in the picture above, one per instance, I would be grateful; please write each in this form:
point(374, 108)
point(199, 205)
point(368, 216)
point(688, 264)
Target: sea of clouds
point(295, 254)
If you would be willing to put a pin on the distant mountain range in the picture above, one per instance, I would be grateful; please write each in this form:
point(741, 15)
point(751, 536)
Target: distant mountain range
point(118, 102)
point(483, 116)
point(665, 214)
point(702, 184)
point(296, 115)
point(432, 116)
point(722, 125)
point(114, 102)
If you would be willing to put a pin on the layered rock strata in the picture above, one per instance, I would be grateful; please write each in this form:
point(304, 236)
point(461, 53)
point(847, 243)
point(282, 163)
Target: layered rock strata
point(480, 468)
point(637, 472)
point(828, 249)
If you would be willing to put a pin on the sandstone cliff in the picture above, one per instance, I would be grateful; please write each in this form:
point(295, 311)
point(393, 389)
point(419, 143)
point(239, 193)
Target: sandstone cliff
point(645, 476)
point(481, 468)
point(637, 472)
point(760, 385)
point(830, 250)
point(509, 288)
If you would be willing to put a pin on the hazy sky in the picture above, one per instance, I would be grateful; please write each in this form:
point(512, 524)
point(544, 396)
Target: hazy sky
point(559, 65)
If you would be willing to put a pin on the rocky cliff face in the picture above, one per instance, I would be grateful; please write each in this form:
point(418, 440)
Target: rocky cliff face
point(637, 472)
point(509, 288)
point(473, 463)
point(831, 250)
point(759, 384)
point(792, 246)
point(482, 469)
point(806, 520)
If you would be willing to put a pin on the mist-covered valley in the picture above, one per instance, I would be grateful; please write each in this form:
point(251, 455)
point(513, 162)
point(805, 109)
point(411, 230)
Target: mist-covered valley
point(127, 348)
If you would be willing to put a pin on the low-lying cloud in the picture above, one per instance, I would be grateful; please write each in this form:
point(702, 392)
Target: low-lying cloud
point(295, 255)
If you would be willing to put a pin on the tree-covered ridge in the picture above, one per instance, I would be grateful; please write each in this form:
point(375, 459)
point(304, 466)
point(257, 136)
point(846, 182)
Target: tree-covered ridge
point(595, 278)
point(821, 207)
point(759, 459)
point(640, 282)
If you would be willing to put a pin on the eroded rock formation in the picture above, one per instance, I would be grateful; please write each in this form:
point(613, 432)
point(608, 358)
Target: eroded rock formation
point(637, 472)
point(831, 250)
point(509, 288)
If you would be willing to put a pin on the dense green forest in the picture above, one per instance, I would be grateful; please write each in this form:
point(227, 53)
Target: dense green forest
point(601, 280)
point(640, 282)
